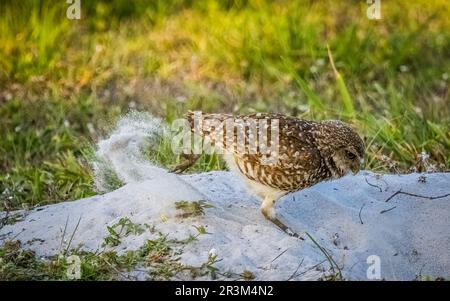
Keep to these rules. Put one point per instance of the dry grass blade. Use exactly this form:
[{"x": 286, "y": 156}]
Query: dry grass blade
[
  {"x": 334, "y": 266},
  {"x": 416, "y": 195}
]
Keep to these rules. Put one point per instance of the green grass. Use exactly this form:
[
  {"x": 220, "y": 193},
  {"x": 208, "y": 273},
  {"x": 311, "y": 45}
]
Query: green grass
[
  {"x": 189, "y": 209},
  {"x": 122, "y": 228},
  {"x": 64, "y": 82},
  {"x": 156, "y": 259}
]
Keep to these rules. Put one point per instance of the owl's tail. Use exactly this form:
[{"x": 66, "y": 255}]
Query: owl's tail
[{"x": 207, "y": 125}]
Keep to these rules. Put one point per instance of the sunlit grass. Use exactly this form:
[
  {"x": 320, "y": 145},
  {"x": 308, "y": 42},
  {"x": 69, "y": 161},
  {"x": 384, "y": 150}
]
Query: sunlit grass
[{"x": 62, "y": 82}]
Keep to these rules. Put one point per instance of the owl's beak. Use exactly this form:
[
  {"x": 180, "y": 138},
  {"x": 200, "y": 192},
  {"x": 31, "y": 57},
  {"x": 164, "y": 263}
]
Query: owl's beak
[
  {"x": 362, "y": 164},
  {"x": 356, "y": 168}
]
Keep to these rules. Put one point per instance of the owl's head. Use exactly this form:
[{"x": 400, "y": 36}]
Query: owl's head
[{"x": 341, "y": 147}]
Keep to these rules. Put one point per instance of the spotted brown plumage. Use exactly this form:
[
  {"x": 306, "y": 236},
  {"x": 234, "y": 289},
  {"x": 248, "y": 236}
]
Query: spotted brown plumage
[{"x": 307, "y": 152}]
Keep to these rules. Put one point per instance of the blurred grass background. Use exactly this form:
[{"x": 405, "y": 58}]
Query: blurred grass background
[{"x": 64, "y": 82}]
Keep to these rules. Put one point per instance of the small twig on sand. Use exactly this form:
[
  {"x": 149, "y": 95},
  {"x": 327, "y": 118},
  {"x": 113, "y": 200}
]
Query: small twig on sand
[
  {"x": 71, "y": 237},
  {"x": 279, "y": 255},
  {"x": 311, "y": 268},
  {"x": 4, "y": 220},
  {"x": 17, "y": 235},
  {"x": 296, "y": 270},
  {"x": 334, "y": 266},
  {"x": 387, "y": 210},
  {"x": 416, "y": 195},
  {"x": 373, "y": 185},
  {"x": 359, "y": 214},
  {"x": 63, "y": 235}
]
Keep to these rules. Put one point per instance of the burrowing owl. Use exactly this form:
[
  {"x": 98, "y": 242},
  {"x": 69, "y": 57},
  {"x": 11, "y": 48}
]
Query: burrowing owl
[{"x": 308, "y": 152}]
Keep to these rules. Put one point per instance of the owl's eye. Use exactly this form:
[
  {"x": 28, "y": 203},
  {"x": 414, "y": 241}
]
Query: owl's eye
[{"x": 350, "y": 155}]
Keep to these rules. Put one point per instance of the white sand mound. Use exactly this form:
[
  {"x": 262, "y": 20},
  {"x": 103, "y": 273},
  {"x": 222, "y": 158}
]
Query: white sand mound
[
  {"x": 411, "y": 239},
  {"x": 349, "y": 218}
]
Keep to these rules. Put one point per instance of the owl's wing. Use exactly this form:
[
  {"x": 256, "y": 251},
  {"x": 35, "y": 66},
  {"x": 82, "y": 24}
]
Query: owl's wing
[{"x": 296, "y": 152}]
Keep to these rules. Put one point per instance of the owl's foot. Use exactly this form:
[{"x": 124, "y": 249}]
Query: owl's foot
[
  {"x": 293, "y": 234},
  {"x": 269, "y": 213},
  {"x": 190, "y": 159},
  {"x": 286, "y": 229}
]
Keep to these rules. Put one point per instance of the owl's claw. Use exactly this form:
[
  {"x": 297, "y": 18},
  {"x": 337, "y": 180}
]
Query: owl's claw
[
  {"x": 293, "y": 234},
  {"x": 269, "y": 214}
]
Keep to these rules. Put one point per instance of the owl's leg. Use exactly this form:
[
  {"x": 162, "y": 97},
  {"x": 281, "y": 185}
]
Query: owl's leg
[
  {"x": 269, "y": 212},
  {"x": 189, "y": 160}
]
